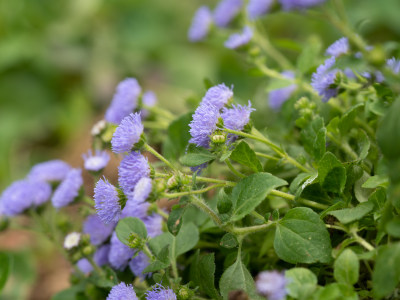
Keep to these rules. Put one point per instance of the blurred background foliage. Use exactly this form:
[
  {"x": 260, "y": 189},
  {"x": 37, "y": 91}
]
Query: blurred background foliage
[{"x": 61, "y": 60}]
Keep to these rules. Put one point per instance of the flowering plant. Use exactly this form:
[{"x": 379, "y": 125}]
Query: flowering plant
[{"x": 312, "y": 214}]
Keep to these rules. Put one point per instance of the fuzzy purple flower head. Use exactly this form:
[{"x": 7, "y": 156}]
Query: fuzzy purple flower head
[
  {"x": 324, "y": 78},
  {"x": 272, "y": 284},
  {"x": 203, "y": 124},
  {"x": 95, "y": 162},
  {"x": 299, "y": 4},
  {"x": 133, "y": 167},
  {"x": 238, "y": 40},
  {"x": 107, "y": 202},
  {"x": 201, "y": 24},
  {"x": 100, "y": 257},
  {"x": 119, "y": 254},
  {"x": 97, "y": 230},
  {"x": 84, "y": 265},
  {"x": 394, "y": 65},
  {"x": 127, "y": 133},
  {"x": 153, "y": 225},
  {"x": 53, "y": 170},
  {"x": 158, "y": 292},
  {"x": 341, "y": 46},
  {"x": 279, "y": 96},
  {"x": 68, "y": 189},
  {"x": 237, "y": 117},
  {"x": 257, "y": 8},
  {"x": 138, "y": 264},
  {"x": 142, "y": 190},
  {"x": 218, "y": 96},
  {"x": 226, "y": 11},
  {"x": 23, "y": 194},
  {"x": 135, "y": 209},
  {"x": 124, "y": 100},
  {"x": 122, "y": 291}
]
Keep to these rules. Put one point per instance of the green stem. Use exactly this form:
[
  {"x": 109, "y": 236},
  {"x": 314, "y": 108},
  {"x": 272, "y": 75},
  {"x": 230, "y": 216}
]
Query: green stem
[
  {"x": 148, "y": 253},
  {"x": 257, "y": 215},
  {"x": 267, "y": 156},
  {"x": 158, "y": 155},
  {"x": 204, "y": 207},
  {"x": 201, "y": 191},
  {"x": 162, "y": 213},
  {"x": 155, "y": 125},
  {"x": 252, "y": 229},
  {"x": 362, "y": 242},
  {"x": 160, "y": 111},
  {"x": 299, "y": 200},
  {"x": 233, "y": 170},
  {"x": 335, "y": 227},
  {"x": 173, "y": 258},
  {"x": 274, "y": 147}
]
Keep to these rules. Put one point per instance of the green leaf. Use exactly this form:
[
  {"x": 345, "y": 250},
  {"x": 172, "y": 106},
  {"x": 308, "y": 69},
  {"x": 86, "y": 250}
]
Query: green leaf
[
  {"x": 161, "y": 262},
  {"x": 5, "y": 268},
  {"x": 202, "y": 273},
  {"x": 251, "y": 191},
  {"x": 157, "y": 243},
  {"x": 178, "y": 137},
  {"x": 362, "y": 194},
  {"x": 174, "y": 222},
  {"x": 228, "y": 241},
  {"x": 393, "y": 227},
  {"x": 237, "y": 277},
  {"x": 130, "y": 225},
  {"x": 386, "y": 275},
  {"x": 331, "y": 173},
  {"x": 347, "y": 120},
  {"x": 349, "y": 215},
  {"x": 388, "y": 133},
  {"x": 244, "y": 155},
  {"x": 106, "y": 280},
  {"x": 347, "y": 267},
  {"x": 301, "y": 237},
  {"x": 363, "y": 144},
  {"x": 311, "y": 50},
  {"x": 301, "y": 283},
  {"x": 337, "y": 291},
  {"x": 187, "y": 238},
  {"x": 313, "y": 137},
  {"x": 375, "y": 181},
  {"x": 196, "y": 156}
]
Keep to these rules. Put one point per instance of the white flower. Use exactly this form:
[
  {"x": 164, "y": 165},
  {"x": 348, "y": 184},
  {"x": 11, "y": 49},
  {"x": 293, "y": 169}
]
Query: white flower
[
  {"x": 72, "y": 240},
  {"x": 98, "y": 127}
]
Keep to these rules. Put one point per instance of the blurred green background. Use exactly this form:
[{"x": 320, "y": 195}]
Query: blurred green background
[{"x": 61, "y": 60}]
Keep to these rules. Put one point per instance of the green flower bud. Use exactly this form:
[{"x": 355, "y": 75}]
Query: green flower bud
[
  {"x": 185, "y": 293},
  {"x": 88, "y": 250},
  {"x": 172, "y": 182},
  {"x": 135, "y": 241}
]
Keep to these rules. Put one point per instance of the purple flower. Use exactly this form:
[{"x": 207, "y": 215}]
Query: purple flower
[
  {"x": 142, "y": 189},
  {"x": 201, "y": 24},
  {"x": 349, "y": 73},
  {"x": 153, "y": 225},
  {"x": 237, "y": 40},
  {"x": 135, "y": 209},
  {"x": 377, "y": 76},
  {"x": 237, "y": 117},
  {"x": 394, "y": 65},
  {"x": 138, "y": 264},
  {"x": 149, "y": 98},
  {"x": 107, "y": 202},
  {"x": 341, "y": 46},
  {"x": 96, "y": 162},
  {"x": 257, "y": 8},
  {"x": 324, "y": 78},
  {"x": 132, "y": 168},
  {"x": 203, "y": 124},
  {"x": 127, "y": 133},
  {"x": 299, "y": 4},
  {"x": 279, "y": 96},
  {"x": 218, "y": 96},
  {"x": 124, "y": 100},
  {"x": 122, "y": 292},
  {"x": 226, "y": 11},
  {"x": 272, "y": 285},
  {"x": 53, "y": 170},
  {"x": 84, "y": 265},
  {"x": 100, "y": 257},
  {"x": 98, "y": 231},
  {"x": 119, "y": 254},
  {"x": 68, "y": 189},
  {"x": 23, "y": 194},
  {"x": 158, "y": 292}
]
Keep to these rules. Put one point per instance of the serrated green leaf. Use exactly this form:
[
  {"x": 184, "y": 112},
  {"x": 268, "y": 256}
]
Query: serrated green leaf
[
  {"x": 130, "y": 225},
  {"x": 347, "y": 120},
  {"x": 347, "y": 267},
  {"x": 196, "y": 156},
  {"x": 244, "y": 155},
  {"x": 251, "y": 191},
  {"x": 386, "y": 275},
  {"x": 348, "y": 215},
  {"x": 237, "y": 277},
  {"x": 388, "y": 133},
  {"x": 331, "y": 173},
  {"x": 301, "y": 283},
  {"x": 301, "y": 237}
]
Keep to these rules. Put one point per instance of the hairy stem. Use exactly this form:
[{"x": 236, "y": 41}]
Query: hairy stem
[{"x": 158, "y": 155}]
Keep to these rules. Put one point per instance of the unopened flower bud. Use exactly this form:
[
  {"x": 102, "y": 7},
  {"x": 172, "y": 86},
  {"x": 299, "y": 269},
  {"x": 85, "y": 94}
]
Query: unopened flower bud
[
  {"x": 172, "y": 182},
  {"x": 135, "y": 241},
  {"x": 88, "y": 250},
  {"x": 218, "y": 138},
  {"x": 184, "y": 293}
]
